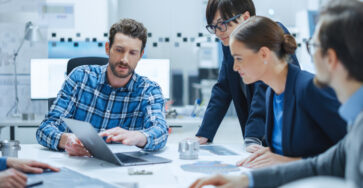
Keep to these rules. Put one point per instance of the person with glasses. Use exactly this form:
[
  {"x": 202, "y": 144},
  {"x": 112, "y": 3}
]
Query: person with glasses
[
  {"x": 223, "y": 16},
  {"x": 301, "y": 119},
  {"x": 311, "y": 47},
  {"x": 337, "y": 51}
]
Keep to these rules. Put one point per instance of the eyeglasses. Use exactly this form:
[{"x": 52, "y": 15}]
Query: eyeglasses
[
  {"x": 221, "y": 25},
  {"x": 311, "y": 47}
]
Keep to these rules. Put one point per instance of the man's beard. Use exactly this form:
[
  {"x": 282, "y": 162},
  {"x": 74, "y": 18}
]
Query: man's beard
[
  {"x": 119, "y": 75},
  {"x": 319, "y": 83}
]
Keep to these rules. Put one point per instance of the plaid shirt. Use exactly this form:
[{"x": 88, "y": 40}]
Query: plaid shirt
[{"x": 87, "y": 96}]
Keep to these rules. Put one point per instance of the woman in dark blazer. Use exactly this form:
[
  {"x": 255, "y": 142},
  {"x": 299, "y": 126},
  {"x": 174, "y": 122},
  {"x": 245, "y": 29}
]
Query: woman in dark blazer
[
  {"x": 223, "y": 16},
  {"x": 301, "y": 120}
]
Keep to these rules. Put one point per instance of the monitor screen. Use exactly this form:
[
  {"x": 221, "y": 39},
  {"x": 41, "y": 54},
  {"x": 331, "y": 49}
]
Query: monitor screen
[
  {"x": 157, "y": 70},
  {"x": 47, "y": 75}
]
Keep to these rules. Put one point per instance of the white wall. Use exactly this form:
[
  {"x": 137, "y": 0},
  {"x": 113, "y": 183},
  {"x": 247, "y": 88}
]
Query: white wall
[
  {"x": 284, "y": 10},
  {"x": 13, "y": 16},
  {"x": 90, "y": 19}
]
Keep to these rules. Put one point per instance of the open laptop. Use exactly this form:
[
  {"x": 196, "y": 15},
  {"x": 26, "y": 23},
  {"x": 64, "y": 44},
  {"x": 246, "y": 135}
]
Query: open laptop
[{"x": 98, "y": 148}]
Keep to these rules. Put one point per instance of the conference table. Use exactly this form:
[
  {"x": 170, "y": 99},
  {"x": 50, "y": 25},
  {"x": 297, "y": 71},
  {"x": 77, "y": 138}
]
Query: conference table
[
  {"x": 34, "y": 123},
  {"x": 156, "y": 176}
]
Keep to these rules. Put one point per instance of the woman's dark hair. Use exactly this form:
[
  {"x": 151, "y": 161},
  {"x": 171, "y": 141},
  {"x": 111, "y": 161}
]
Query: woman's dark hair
[
  {"x": 341, "y": 29},
  {"x": 130, "y": 28},
  {"x": 229, "y": 8},
  {"x": 259, "y": 31}
]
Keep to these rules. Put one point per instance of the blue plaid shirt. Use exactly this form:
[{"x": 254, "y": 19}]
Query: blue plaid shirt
[{"x": 87, "y": 96}]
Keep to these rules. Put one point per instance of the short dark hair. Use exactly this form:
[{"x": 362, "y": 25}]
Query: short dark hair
[
  {"x": 259, "y": 31},
  {"x": 229, "y": 8},
  {"x": 130, "y": 28},
  {"x": 342, "y": 30}
]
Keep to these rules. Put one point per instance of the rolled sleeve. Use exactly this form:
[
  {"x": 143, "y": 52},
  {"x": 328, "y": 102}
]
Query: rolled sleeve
[
  {"x": 49, "y": 136},
  {"x": 155, "y": 127},
  {"x": 52, "y": 127}
]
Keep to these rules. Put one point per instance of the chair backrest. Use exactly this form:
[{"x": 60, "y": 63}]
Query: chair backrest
[{"x": 79, "y": 61}]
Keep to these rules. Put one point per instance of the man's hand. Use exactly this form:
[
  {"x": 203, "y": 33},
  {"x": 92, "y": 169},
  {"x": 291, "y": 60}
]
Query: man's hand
[
  {"x": 73, "y": 145},
  {"x": 222, "y": 181},
  {"x": 131, "y": 138},
  {"x": 202, "y": 140},
  {"x": 263, "y": 158},
  {"x": 12, "y": 178},
  {"x": 29, "y": 166}
]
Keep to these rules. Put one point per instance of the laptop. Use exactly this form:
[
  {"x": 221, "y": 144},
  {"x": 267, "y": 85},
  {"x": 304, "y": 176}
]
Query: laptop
[{"x": 98, "y": 148}]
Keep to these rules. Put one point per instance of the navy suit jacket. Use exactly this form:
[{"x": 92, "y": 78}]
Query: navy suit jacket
[
  {"x": 250, "y": 110},
  {"x": 311, "y": 123}
]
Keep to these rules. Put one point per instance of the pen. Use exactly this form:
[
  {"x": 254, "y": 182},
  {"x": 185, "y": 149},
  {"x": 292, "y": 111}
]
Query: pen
[{"x": 35, "y": 183}]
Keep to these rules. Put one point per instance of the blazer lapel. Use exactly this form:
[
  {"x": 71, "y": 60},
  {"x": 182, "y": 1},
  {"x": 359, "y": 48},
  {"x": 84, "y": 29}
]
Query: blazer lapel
[
  {"x": 289, "y": 109},
  {"x": 269, "y": 116}
]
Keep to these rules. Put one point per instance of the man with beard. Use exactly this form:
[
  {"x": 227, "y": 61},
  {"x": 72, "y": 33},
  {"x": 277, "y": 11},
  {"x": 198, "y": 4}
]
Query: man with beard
[{"x": 121, "y": 105}]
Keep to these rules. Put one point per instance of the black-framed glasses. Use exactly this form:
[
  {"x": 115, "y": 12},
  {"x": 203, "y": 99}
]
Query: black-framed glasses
[
  {"x": 221, "y": 25},
  {"x": 311, "y": 47}
]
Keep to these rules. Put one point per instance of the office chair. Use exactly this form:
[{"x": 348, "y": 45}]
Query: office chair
[{"x": 79, "y": 61}]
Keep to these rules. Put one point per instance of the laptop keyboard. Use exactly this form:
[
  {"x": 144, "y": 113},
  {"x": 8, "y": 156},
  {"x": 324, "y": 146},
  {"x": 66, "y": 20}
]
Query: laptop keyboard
[{"x": 128, "y": 159}]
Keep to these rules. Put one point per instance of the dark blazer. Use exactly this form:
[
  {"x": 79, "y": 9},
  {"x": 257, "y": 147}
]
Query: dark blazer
[
  {"x": 311, "y": 123},
  {"x": 250, "y": 109},
  {"x": 343, "y": 160}
]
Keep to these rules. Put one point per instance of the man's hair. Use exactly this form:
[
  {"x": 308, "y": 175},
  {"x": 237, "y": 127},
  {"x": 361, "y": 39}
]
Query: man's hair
[
  {"x": 229, "y": 8},
  {"x": 130, "y": 28},
  {"x": 342, "y": 30}
]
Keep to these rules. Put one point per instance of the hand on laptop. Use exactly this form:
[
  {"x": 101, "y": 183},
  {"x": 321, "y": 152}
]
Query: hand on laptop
[
  {"x": 73, "y": 145},
  {"x": 132, "y": 138}
]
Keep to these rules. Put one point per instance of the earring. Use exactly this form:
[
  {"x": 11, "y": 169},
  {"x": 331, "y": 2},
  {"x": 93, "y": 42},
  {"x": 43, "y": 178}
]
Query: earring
[{"x": 265, "y": 62}]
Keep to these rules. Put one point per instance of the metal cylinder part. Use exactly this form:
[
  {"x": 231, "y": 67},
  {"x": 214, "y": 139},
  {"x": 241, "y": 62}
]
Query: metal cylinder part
[
  {"x": 188, "y": 149},
  {"x": 9, "y": 148}
]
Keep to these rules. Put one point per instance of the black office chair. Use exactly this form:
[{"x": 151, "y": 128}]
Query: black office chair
[{"x": 79, "y": 61}]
